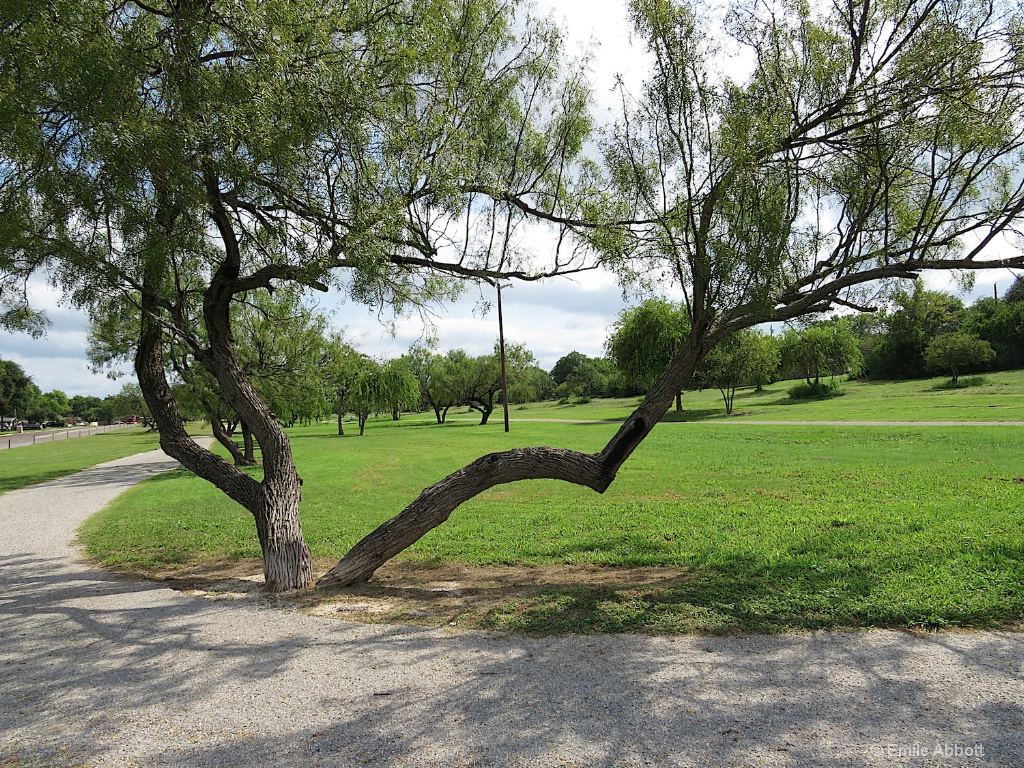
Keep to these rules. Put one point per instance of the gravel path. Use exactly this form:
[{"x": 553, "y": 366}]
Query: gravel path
[{"x": 98, "y": 670}]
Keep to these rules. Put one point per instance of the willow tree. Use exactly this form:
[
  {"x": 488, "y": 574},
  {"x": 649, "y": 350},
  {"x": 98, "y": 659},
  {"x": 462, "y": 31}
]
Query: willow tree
[
  {"x": 182, "y": 154},
  {"x": 868, "y": 142}
]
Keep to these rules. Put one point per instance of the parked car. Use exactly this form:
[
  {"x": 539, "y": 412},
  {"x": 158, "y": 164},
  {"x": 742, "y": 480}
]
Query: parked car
[
  {"x": 33, "y": 425},
  {"x": 55, "y": 424}
]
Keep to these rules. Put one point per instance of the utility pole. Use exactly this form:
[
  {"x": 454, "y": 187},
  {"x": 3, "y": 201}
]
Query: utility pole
[{"x": 501, "y": 351}]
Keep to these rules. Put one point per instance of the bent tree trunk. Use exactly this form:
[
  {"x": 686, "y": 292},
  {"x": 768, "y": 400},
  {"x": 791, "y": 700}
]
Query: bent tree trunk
[{"x": 593, "y": 470}]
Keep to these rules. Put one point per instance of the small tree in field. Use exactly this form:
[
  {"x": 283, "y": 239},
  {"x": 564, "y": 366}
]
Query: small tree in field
[
  {"x": 953, "y": 352},
  {"x": 744, "y": 358},
  {"x": 381, "y": 388},
  {"x": 824, "y": 349},
  {"x": 644, "y": 339}
]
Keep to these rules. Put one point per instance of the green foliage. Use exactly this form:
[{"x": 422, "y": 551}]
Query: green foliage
[
  {"x": 748, "y": 357},
  {"x": 383, "y": 387},
  {"x": 644, "y": 340},
  {"x": 18, "y": 394},
  {"x": 1000, "y": 322},
  {"x": 954, "y": 352},
  {"x": 816, "y": 390},
  {"x": 821, "y": 349},
  {"x": 919, "y": 316}
]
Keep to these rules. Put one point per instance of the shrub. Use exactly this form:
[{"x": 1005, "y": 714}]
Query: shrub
[{"x": 818, "y": 390}]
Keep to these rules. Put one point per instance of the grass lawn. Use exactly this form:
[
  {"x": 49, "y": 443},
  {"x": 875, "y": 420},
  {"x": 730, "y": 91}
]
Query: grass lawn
[
  {"x": 710, "y": 527},
  {"x": 1000, "y": 397},
  {"x": 31, "y": 464}
]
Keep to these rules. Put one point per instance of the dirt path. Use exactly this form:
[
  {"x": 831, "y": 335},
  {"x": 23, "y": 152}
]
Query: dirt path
[{"x": 98, "y": 670}]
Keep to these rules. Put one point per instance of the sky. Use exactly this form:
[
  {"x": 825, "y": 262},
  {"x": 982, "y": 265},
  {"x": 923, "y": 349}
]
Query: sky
[{"x": 551, "y": 318}]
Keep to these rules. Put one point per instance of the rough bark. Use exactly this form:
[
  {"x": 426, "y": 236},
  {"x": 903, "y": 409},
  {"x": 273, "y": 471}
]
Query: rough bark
[{"x": 435, "y": 504}]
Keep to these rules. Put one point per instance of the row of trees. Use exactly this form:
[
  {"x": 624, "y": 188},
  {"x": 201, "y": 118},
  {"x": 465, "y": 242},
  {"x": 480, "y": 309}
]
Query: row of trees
[
  {"x": 189, "y": 156},
  {"x": 924, "y": 332},
  {"x": 20, "y": 397},
  {"x": 643, "y": 341}
]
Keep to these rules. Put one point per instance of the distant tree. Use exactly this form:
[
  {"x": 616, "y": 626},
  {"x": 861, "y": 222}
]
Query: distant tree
[
  {"x": 531, "y": 385},
  {"x": 742, "y": 359},
  {"x": 955, "y": 352},
  {"x": 282, "y": 344},
  {"x": 920, "y": 315},
  {"x": 129, "y": 401},
  {"x": 341, "y": 367},
  {"x": 765, "y": 357},
  {"x": 1015, "y": 293},
  {"x": 86, "y": 407},
  {"x": 379, "y": 386},
  {"x": 588, "y": 379},
  {"x": 643, "y": 340},
  {"x": 567, "y": 365},
  {"x": 823, "y": 349},
  {"x": 50, "y": 406},
  {"x": 432, "y": 372},
  {"x": 1000, "y": 322},
  {"x": 18, "y": 394}
]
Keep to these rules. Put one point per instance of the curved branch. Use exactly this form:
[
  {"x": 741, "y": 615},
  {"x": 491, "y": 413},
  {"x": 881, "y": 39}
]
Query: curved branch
[{"x": 435, "y": 504}]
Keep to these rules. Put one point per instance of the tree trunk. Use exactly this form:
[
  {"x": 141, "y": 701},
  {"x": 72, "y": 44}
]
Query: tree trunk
[
  {"x": 250, "y": 453},
  {"x": 341, "y": 426},
  {"x": 396, "y": 414},
  {"x": 224, "y": 439},
  {"x": 597, "y": 471},
  {"x": 679, "y": 402}
]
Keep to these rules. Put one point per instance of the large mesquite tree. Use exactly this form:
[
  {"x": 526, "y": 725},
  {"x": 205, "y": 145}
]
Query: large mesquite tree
[
  {"x": 183, "y": 154},
  {"x": 871, "y": 142}
]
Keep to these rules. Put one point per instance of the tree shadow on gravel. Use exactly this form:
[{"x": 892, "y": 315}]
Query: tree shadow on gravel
[{"x": 102, "y": 669}]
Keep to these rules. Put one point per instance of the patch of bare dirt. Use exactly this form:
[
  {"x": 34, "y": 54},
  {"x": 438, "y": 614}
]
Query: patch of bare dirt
[{"x": 417, "y": 592}]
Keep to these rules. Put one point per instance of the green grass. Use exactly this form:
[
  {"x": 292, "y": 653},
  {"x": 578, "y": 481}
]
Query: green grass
[
  {"x": 999, "y": 398},
  {"x": 31, "y": 464},
  {"x": 775, "y": 527}
]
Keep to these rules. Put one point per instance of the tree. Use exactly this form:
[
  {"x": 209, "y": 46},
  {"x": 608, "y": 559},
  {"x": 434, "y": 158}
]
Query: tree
[
  {"x": 728, "y": 366},
  {"x": 50, "y": 406},
  {"x": 85, "y": 407},
  {"x": 282, "y": 345},
  {"x": 870, "y": 143},
  {"x": 566, "y": 365},
  {"x": 18, "y": 394},
  {"x": 764, "y": 357},
  {"x": 382, "y": 388},
  {"x": 822, "y": 349},
  {"x": 644, "y": 339},
  {"x": 184, "y": 154},
  {"x": 1015, "y": 293},
  {"x": 1000, "y": 322},
  {"x": 131, "y": 401},
  {"x": 341, "y": 368},
  {"x": 531, "y": 384},
  {"x": 954, "y": 352},
  {"x": 434, "y": 374},
  {"x": 920, "y": 315}
]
